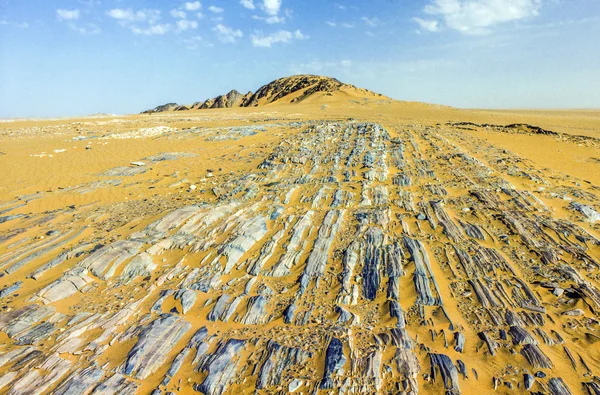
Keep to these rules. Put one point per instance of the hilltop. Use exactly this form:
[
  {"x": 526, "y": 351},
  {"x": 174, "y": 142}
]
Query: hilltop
[{"x": 293, "y": 89}]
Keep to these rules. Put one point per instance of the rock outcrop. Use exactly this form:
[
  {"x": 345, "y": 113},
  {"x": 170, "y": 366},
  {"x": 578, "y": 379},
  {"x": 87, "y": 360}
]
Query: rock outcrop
[
  {"x": 325, "y": 257},
  {"x": 162, "y": 108},
  {"x": 292, "y": 89}
]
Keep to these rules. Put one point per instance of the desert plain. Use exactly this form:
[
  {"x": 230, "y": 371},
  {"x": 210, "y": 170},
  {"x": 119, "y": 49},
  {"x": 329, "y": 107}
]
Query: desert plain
[{"x": 344, "y": 243}]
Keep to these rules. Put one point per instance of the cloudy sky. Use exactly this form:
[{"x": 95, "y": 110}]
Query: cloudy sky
[{"x": 75, "y": 57}]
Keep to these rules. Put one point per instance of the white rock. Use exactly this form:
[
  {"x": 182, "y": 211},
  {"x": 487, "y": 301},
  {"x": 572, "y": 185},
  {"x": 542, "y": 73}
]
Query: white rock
[
  {"x": 574, "y": 313},
  {"x": 294, "y": 385}
]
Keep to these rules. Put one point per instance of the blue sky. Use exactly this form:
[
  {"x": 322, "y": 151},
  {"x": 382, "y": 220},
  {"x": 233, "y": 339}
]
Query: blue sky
[{"x": 77, "y": 57}]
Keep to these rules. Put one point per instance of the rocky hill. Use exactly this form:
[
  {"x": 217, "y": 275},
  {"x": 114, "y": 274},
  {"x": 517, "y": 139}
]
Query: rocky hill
[
  {"x": 163, "y": 108},
  {"x": 292, "y": 89}
]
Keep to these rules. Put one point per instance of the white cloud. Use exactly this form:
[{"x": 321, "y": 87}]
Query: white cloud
[
  {"x": 85, "y": 30},
  {"x": 70, "y": 17},
  {"x": 478, "y": 16},
  {"x": 119, "y": 13},
  {"x": 274, "y": 19},
  {"x": 184, "y": 24},
  {"x": 272, "y": 6},
  {"x": 226, "y": 34},
  {"x": 142, "y": 22},
  {"x": 153, "y": 30},
  {"x": 216, "y": 10},
  {"x": 128, "y": 15},
  {"x": 373, "y": 22},
  {"x": 429, "y": 25},
  {"x": 271, "y": 20},
  {"x": 249, "y": 4},
  {"x": 22, "y": 25},
  {"x": 192, "y": 6},
  {"x": 193, "y": 43},
  {"x": 178, "y": 14},
  {"x": 282, "y": 36},
  {"x": 67, "y": 15},
  {"x": 334, "y": 24},
  {"x": 299, "y": 36},
  {"x": 260, "y": 40}
]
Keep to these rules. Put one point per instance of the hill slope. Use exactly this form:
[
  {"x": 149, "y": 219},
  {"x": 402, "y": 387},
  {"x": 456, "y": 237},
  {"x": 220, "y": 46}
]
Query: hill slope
[{"x": 292, "y": 89}]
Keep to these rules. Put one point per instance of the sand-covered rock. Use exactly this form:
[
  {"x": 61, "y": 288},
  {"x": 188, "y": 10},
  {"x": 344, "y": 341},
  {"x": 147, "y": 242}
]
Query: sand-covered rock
[{"x": 365, "y": 248}]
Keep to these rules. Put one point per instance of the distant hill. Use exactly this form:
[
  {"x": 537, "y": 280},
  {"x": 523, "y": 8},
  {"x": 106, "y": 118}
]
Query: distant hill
[{"x": 292, "y": 89}]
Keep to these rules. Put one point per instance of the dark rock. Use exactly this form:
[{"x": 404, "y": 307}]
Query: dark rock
[
  {"x": 528, "y": 381},
  {"x": 334, "y": 361}
]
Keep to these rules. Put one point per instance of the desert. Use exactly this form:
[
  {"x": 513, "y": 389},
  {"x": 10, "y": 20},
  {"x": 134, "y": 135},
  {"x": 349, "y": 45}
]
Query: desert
[
  {"x": 252, "y": 197},
  {"x": 325, "y": 239}
]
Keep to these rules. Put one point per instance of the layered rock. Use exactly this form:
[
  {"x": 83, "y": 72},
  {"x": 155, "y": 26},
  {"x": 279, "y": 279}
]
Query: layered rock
[{"x": 284, "y": 90}]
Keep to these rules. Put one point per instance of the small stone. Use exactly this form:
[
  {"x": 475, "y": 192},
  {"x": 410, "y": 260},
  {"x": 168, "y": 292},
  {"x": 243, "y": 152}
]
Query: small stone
[
  {"x": 192, "y": 187},
  {"x": 294, "y": 385},
  {"x": 529, "y": 380},
  {"x": 209, "y": 175},
  {"x": 504, "y": 238},
  {"x": 558, "y": 292},
  {"x": 540, "y": 374},
  {"x": 574, "y": 313},
  {"x": 421, "y": 217},
  {"x": 137, "y": 163},
  {"x": 466, "y": 209}
]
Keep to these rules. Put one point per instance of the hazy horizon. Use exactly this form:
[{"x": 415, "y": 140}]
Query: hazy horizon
[{"x": 82, "y": 57}]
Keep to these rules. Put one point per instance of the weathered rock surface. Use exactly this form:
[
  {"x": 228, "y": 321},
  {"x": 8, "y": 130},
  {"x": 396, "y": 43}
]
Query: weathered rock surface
[
  {"x": 155, "y": 342},
  {"x": 221, "y": 367},
  {"x": 309, "y": 257}
]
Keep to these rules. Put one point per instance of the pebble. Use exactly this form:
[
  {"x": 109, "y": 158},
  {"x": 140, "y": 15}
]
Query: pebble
[
  {"x": 574, "y": 313},
  {"x": 294, "y": 385}
]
